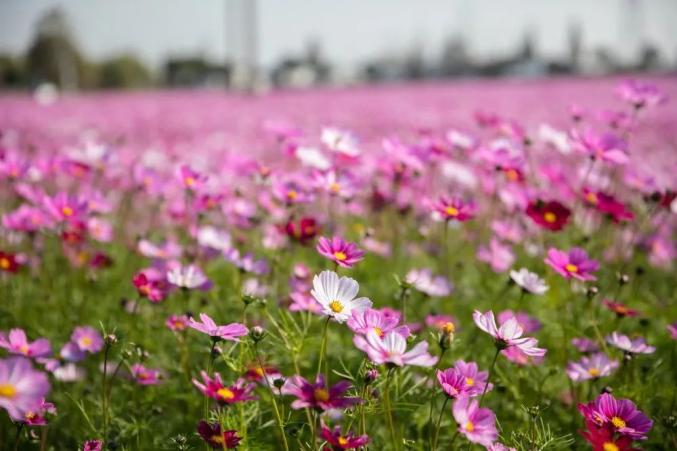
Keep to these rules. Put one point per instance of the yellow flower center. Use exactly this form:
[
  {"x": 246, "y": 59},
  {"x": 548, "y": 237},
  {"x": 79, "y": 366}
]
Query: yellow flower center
[
  {"x": 4, "y": 263},
  {"x": 67, "y": 211},
  {"x": 550, "y": 217},
  {"x": 379, "y": 331},
  {"x": 451, "y": 211},
  {"x": 321, "y": 395},
  {"x": 85, "y": 341},
  {"x": 189, "y": 181},
  {"x": 469, "y": 381},
  {"x": 334, "y": 187},
  {"x": 24, "y": 349},
  {"x": 618, "y": 422},
  {"x": 260, "y": 372},
  {"x": 610, "y": 446},
  {"x": 594, "y": 372},
  {"x": 571, "y": 268},
  {"x": 292, "y": 195},
  {"x": 7, "y": 391},
  {"x": 336, "y": 306},
  {"x": 469, "y": 426},
  {"x": 217, "y": 439},
  {"x": 225, "y": 393},
  {"x": 342, "y": 441},
  {"x": 340, "y": 256},
  {"x": 512, "y": 175},
  {"x": 448, "y": 327},
  {"x": 591, "y": 197}
]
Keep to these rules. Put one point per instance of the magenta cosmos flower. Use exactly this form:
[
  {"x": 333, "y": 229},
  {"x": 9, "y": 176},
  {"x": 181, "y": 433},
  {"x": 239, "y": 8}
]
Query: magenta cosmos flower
[
  {"x": 508, "y": 335},
  {"x": 145, "y": 376},
  {"x": 92, "y": 445},
  {"x": 206, "y": 325},
  {"x": 476, "y": 424},
  {"x": 454, "y": 209},
  {"x": 87, "y": 339},
  {"x": 573, "y": 264},
  {"x": 341, "y": 252},
  {"x": 217, "y": 439},
  {"x": 214, "y": 388},
  {"x": 318, "y": 395},
  {"x": 16, "y": 342},
  {"x": 624, "y": 343},
  {"x": 593, "y": 367},
  {"x": 22, "y": 389},
  {"x": 621, "y": 414},
  {"x": 337, "y": 440},
  {"x": 392, "y": 349},
  {"x": 463, "y": 379}
]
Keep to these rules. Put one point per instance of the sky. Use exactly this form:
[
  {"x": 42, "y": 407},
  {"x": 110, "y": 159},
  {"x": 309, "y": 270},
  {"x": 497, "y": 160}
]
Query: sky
[{"x": 349, "y": 31}]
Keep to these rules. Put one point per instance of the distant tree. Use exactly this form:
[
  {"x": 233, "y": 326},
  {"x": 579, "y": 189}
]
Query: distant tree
[
  {"x": 53, "y": 57},
  {"x": 12, "y": 73},
  {"x": 124, "y": 71}
]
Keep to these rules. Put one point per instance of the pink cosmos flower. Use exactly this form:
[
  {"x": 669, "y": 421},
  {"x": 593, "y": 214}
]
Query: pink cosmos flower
[
  {"x": 528, "y": 323},
  {"x": 190, "y": 179},
  {"x": 230, "y": 332},
  {"x": 71, "y": 352},
  {"x": 672, "y": 329},
  {"x": 463, "y": 379},
  {"x": 425, "y": 282},
  {"x": 454, "y": 208},
  {"x": 624, "y": 343},
  {"x": 16, "y": 343},
  {"x": 593, "y": 367},
  {"x": 65, "y": 207},
  {"x": 38, "y": 416},
  {"x": 640, "y": 94},
  {"x": 392, "y": 349},
  {"x": 476, "y": 424},
  {"x": 361, "y": 322},
  {"x": 606, "y": 147},
  {"x": 302, "y": 302},
  {"x": 573, "y": 264},
  {"x": 177, "y": 323},
  {"x": 497, "y": 255},
  {"x": 87, "y": 339},
  {"x": 508, "y": 335},
  {"x": 318, "y": 395},
  {"x": 22, "y": 389},
  {"x": 341, "y": 252},
  {"x": 584, "y": 344},
  {"x": 153, "y": 289},
  {"x": 92, "y": 445},
  {"x": 217, "y": 438},
  {"x": 337, "y": 440},
  {"x": 214, "y": 388},
  {"x": 621, "y": 414},
  {"x": 145, "y": 376},
  {"x": 291, "y": 192}
]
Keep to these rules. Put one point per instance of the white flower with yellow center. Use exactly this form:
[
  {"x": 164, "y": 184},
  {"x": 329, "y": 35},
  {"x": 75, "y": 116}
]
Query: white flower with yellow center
[{"x": 337, "y": 295}]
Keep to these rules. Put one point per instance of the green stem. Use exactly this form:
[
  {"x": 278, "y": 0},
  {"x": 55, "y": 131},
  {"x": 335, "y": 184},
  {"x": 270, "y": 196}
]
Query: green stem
[
  {"x": 388, "y": 409},
  {"x": 439, "y": 421},
  {"x": 491, "y": 372},
  {"x": 104, "y": 397},
  {"x": 323, "y": 351},
  {"x": 278, "y": 418}
]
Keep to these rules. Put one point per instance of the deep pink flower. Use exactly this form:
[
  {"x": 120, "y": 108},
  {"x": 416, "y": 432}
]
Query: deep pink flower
[
  {"x": 190, "y": 179},
  {"x": 573, "y": 264},
  {"x": 214, "y": 388},
  {"x": 454, "y": 208},
  {"x": 337, "y": 440},
  {"x": 177, "y": 323},
  {"x": 146, "y": 376},
  {"x": 65, "y": 207},
  {"x": 22, "y": 389},
  {"x": 92, "y": 445},
  {"x": 206, "y": 325},
  {"x": 621, "y": 414},
  {"x": 476, "y": 424},
  {"x": 212, "y": 434},
  {"x": 392, "y": 349},
  {"x": 607, "y": 205},
  {"x": 38, "y": 416},
  {"x": 16, "y": 343},
  {"x": 672, "y": 328},
  {"x": 317, "y": 395},
  {"x": 153, "y": 289},
  {"x": 463, "y": 379},
  {"x": 619, "y": 309},
  {"x": 341, "y": 252},
  {"x": 551, "y": 215},
  {"x": 508, "y": 335}
]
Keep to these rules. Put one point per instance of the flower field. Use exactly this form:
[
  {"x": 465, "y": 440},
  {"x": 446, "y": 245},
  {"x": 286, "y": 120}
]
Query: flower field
[{"x": 426, "y": 267}]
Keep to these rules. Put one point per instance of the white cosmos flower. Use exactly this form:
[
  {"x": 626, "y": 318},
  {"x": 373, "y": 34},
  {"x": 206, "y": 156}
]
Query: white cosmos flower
[
  {"x": 529, "y": 281},
  {"x": 186, "y": 276},
  {"x": 337, "y": 296}
]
